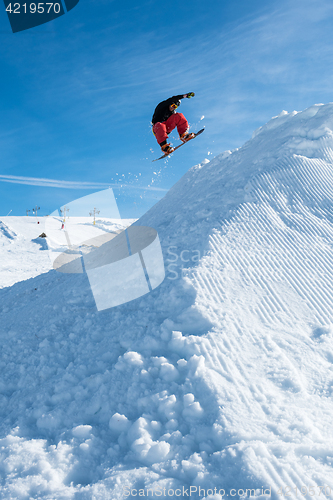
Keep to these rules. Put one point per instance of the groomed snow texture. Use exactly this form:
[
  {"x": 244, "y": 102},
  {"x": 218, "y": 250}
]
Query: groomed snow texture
[{"x": 220, "y": 378}]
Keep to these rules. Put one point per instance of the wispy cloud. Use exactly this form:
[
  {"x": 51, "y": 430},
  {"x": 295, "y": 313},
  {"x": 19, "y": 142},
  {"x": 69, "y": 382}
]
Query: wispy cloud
[
  {"x": 247, "y": 70},
  {"x": 55, "y": 183},
  {"x": 90, "y": 105}
]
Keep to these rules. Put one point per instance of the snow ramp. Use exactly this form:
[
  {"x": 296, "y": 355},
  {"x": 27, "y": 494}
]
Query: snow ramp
[{"x": 217, "y": 384}]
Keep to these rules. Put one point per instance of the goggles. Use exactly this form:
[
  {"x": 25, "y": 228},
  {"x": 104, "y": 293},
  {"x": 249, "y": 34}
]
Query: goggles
[{"x": 173, "y": 106}]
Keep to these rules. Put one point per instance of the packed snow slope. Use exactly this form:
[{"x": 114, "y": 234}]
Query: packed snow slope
[{"x": 220, "y": 379}]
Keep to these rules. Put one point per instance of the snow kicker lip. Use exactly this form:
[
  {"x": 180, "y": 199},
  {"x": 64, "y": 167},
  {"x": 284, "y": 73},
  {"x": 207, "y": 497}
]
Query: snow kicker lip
[
  {"x": 28, "y": 14},
  {"x": 121, "y": 265}
]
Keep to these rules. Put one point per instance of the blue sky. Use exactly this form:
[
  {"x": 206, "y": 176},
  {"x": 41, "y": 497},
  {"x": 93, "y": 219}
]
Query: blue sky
[{"x": 78, "y": 93}]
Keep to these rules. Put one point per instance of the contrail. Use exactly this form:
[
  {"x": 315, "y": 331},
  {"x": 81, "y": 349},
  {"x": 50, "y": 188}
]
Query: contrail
[{"x": 55, "y": 183}]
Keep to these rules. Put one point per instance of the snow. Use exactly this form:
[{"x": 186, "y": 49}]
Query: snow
[
  {"x": 16, "y": 234},
  {"x": 216, "y": 384}
]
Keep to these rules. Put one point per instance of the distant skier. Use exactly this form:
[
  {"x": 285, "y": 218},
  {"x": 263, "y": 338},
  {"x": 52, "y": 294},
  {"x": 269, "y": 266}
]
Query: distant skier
[{"x": 165, "y": 119}]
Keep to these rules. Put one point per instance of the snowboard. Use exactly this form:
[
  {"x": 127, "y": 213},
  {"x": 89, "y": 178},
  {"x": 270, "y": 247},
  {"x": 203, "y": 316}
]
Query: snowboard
[{"x": 180, "y": 145}]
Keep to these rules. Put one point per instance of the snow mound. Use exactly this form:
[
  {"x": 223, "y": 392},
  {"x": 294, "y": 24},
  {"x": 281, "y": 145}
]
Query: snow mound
[
  {"x": 20, "y": 236},
  {"x": 6, "y": 232},
  {"x": 218, "y": 383}
]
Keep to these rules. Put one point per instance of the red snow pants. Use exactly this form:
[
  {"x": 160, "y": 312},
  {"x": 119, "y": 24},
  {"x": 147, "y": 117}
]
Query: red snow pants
[{"x": 162, "y": 129}]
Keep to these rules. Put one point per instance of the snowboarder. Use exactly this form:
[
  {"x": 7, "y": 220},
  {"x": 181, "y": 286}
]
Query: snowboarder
[{"x": 165, "y": 119}]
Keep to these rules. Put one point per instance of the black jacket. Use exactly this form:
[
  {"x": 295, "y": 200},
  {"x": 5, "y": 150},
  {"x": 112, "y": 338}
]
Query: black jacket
[{"x": 162, "y": 111}]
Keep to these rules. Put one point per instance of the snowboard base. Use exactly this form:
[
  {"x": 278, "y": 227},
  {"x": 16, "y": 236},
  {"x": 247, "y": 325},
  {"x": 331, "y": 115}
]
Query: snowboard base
[{"x": 179, "y": 146}]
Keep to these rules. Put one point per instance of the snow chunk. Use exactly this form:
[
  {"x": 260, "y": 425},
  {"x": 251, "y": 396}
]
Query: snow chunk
[
  {"x": 188, "y": 399},
  {"x": 130, "y": 358},
  {"x": 145, "y": 448},
  {"x": 167, "y": 406},
  {"x": 168, "y": 372},
  {"x": 84, "y": 447},
  {"x": 133, "y": 358},
  {"x": 82, "y": 431},
  {"x": 119, "y": 423},
  {"x": 182, "y": 363},
  {"x": 192, "y": 408},
  {"x": 177, "y": 341},
  {"x": 193, "y": 464},
  {"x": 157, "y": 452}
]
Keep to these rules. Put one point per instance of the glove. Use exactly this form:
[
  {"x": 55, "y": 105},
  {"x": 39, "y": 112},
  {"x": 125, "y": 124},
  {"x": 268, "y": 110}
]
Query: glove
[{"x": 190, "y": 94}]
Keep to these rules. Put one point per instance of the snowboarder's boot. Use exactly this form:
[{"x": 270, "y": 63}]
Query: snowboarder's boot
[
  {"x": 166, "y": 148},
  {"x": 179, "y": 145},
  {"x": 187, "y": 136}
]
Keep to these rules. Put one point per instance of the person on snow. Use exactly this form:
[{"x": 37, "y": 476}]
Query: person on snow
[{"x": 165, "y": 119}]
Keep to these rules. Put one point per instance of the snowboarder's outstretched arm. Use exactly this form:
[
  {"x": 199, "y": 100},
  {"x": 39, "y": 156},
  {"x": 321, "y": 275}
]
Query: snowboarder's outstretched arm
[
  {"x": 162, "y": 111},
  {"x": 176, "y": 98}
]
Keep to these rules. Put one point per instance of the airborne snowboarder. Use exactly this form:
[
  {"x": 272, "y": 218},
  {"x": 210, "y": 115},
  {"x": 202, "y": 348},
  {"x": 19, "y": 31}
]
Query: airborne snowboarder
[{"x": 165, "y": 119}]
